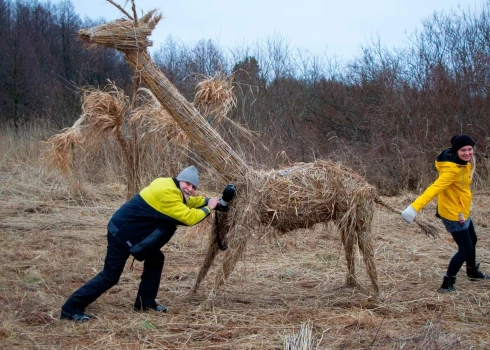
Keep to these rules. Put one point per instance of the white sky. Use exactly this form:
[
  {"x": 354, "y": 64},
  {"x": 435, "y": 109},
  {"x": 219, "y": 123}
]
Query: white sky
[{"x": 337, "y": 28}]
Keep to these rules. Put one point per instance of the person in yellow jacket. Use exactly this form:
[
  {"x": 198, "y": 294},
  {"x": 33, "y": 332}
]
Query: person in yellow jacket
[
  {"x": 141, "y": 227},
  {"x": 456, "y": 166}
]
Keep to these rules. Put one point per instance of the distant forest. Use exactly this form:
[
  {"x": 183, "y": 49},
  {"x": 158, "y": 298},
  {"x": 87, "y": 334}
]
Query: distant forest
[{"x": 386, "y": 113}]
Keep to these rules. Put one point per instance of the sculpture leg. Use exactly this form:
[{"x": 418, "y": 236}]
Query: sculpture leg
[
  {"x": 221, "y": 226},
  {"x": 365, "y": 243},
  {"x": 218, "y": 226},
  {"x": 348, "y": 239},
  {"x": 236, "y": 245},
  {"x": 208, "y": 262}
]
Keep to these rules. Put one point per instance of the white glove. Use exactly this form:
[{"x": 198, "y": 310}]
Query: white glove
[{"x": 409, "y": 214}]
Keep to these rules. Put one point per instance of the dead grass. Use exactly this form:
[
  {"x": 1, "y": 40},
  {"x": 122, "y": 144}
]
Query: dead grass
[{"x": 52, "y": 240}]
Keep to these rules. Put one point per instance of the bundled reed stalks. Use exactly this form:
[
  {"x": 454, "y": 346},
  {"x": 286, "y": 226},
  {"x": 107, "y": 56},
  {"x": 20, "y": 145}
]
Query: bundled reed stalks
[
  {"x": 151, "y": 118},
  {"x": 129, "y": 36},
  {"x": 427, "y": 228},
  {"x": 215, "y": 97},
  {"x": 60, "y": 151},
  {"x": 103, "y": 111}
]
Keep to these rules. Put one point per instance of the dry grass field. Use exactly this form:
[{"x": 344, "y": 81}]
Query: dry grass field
[{"x": 52, "y": 239}]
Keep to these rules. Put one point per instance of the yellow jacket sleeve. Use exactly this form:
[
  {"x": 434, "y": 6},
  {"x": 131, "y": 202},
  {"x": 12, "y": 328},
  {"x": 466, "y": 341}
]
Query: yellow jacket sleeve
[
  {"x": 196, "y": 201},
  {"x": 445, "y": 179},
  {"x": 164, "y": 196}
]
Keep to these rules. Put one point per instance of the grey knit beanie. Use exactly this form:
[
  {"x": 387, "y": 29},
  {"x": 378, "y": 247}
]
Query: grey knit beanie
[{"x": 190, "y": 175}]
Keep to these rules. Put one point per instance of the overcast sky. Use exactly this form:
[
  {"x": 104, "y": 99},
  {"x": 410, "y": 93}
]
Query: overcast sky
[{"x": 334, "y": 27}]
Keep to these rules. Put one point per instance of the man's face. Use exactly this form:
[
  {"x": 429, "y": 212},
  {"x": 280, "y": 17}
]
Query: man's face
[{"x": 187, "y": 188}]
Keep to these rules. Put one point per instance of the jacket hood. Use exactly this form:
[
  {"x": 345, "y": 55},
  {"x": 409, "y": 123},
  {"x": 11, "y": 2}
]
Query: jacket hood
[{"x": 448, "y": 156}]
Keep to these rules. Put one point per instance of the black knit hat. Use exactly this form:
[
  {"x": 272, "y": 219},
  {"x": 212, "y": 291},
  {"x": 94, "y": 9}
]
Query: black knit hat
[{"x": 458, "y": 141}]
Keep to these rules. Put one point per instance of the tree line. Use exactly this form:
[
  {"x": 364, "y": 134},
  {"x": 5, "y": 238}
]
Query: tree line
[
  {"x": 387, "y": 113},
  {"x": 43, "y": 64}
]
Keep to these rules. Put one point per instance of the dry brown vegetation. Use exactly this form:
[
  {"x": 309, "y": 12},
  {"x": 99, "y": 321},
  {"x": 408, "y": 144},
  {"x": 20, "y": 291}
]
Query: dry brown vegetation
[
  {"x": 288, "y": 291},
  {"x": 52, "y": 233}
]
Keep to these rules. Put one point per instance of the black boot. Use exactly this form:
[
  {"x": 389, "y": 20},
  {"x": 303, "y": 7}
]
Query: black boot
[
  {"x": 77, "y": 317},
  {"x": 447, "y": 285},
  {"x": 474, "y": 274},
  {"x": 158, "y": 308}
]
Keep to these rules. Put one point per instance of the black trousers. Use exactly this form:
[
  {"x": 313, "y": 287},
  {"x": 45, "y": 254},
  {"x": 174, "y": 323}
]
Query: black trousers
[
  {"x": 466, "y": 241},
  {"x": 114, "y": 263}
]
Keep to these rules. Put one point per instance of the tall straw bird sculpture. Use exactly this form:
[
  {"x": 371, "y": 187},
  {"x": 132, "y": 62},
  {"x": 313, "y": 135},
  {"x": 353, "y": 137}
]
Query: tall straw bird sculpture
[{"x": 295, "y": 197}]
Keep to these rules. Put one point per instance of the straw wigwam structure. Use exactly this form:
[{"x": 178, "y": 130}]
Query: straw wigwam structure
[
  {"x": 286, "y": 199},
  {"x": 105, "y": 113}
]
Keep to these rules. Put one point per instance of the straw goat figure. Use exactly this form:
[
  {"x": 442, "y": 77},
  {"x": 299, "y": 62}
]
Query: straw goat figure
[{"x": 299, "y": 197}]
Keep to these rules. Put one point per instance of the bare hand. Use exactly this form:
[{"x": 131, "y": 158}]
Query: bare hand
[{"x": 213, "y": 202}]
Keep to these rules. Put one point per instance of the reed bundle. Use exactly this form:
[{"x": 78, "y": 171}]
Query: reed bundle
[
  {"x": 103, "y": 110},
  {"x": 215, "y": 97},
  {"x": 150, "y": 117},
  {"x": 122, "y": 34},
  {"x": 61, "y": 147}
]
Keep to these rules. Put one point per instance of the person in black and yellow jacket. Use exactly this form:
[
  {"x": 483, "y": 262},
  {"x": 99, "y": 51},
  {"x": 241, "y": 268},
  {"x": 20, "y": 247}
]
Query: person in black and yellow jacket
[
  {"x": 456, "y": 166},
  {"x": 141, "y": 227}
]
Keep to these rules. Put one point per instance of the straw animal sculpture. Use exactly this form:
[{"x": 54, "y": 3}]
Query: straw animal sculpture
[
  {"x": 299, "y": 197},
  {"x": 295, "y": 197}
]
